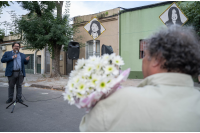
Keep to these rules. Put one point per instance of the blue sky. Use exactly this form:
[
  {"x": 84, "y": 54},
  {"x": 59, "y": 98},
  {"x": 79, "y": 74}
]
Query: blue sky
[
  {"x": 80, "y": 7},
  {"x": 91, "y": 7}
]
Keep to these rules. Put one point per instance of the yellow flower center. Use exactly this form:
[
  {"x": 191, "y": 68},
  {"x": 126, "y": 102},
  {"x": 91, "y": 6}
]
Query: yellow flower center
[
  {"x": 72, "y": 85},
  {"x": 81, "y": 87},
  {"x": 79, "y": 94},
  {"x": 103, "y": 85},
  {"x": 69, "y": 97},
  {"x": 93, "y": 81},
  {"x": 77, "y": 80}
]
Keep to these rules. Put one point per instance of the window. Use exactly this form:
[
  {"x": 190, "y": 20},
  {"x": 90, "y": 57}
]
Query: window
[
  {"x": 142, "y": 47},
  {"x": 89, "y": 48}
]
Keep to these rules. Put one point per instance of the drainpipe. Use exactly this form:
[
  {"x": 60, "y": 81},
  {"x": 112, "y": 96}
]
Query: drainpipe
[
  {"x": 35, "y": 63},
  {"x": 43, "y": 61}
]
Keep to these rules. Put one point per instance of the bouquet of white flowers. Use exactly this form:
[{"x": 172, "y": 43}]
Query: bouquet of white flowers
[{"x": 94, "y": 79}]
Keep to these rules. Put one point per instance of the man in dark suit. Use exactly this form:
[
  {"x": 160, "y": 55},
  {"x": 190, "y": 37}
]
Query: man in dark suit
[{"x": 15, "y": 70}]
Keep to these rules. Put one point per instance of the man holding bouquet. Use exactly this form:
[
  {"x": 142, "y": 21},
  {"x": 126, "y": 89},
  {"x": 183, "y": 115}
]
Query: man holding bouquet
[{"x": 166, "y": 100}]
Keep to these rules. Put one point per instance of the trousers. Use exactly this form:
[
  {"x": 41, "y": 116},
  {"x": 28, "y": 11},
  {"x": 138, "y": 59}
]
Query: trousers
[{"x": 17, "y": 79}]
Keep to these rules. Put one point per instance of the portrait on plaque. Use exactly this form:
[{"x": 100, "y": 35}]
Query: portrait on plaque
[
  {"x": 94, "y": 28},
  {"x": 173, "y": 16}
]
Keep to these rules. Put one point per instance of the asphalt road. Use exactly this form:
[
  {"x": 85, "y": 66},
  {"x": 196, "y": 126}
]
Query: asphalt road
[{"x": 42, "y": 116}]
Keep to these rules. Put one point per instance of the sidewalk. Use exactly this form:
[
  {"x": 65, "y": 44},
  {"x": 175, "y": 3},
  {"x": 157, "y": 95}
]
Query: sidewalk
[{"x": 43, "y": 81}]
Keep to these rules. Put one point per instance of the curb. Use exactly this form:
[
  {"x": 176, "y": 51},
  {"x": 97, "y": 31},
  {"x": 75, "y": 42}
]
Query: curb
[{"x": 47, "y": 87}]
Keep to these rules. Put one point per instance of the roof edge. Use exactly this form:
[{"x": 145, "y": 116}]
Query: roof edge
[{"x": 145, "y": 7}]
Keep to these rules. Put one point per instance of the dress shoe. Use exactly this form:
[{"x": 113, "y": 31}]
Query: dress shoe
[
  {"x": 20, "y": 100},
  {"x": 9, "y": 100}
]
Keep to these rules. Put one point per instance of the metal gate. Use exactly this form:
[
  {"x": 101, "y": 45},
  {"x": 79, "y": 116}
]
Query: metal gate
[
  {"x": 69, "y": 64},
  {"x": 29, "y": 68}
]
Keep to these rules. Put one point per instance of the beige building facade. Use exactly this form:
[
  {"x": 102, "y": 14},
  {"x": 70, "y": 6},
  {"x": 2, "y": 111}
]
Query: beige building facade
[
  {"x": 110, "y": 37},
  {"x": 40, "y": 61}
]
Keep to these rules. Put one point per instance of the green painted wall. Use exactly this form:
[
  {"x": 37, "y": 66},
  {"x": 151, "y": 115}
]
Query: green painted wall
[{"x": 136, "y": 25}]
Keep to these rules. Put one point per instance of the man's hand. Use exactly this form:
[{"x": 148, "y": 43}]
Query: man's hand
[
  {"x": 14, "y": 56},
  {"x": 27, "y": 58}
]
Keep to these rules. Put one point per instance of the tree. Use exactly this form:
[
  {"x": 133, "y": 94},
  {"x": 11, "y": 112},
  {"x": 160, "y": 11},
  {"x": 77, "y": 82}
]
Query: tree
[
  {"x": 192, "y": 11},
  {"x": 8, "y": 25},
  {"x": 1, "y": 11},
  {"x": 2, "y": 34},
  {"x": 4, "y": 3},
  {"x": 41, "y": 28}
]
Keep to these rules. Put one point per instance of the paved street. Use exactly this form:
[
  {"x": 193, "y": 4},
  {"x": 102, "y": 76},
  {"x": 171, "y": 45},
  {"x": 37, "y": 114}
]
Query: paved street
[
  {"x": 43, "y": 116},
  {"x": 54, "y": 115}
]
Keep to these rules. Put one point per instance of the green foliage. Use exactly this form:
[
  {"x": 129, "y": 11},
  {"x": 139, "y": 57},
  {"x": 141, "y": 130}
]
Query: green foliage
[
  {"x": 44, "y": 76},
  {"x": 1, "y": 11},
  {"x": 106, "y": 13},
  {"x": 11, "y": 33},
  {"x": 102, "y": 15},
  {"x": 4, "y": 3},
  {"x": 2, "y": 34},
  {"x": 192, "y": 11},
  {"x": 10, "y": 25},
  {"x": 41, "y": 27}
]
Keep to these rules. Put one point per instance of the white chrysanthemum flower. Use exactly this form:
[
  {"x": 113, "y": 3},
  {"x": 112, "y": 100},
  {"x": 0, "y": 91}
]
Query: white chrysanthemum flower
[
  {"x": 76, "y": 79},
  {"x": 101, "y": 73},
  {"x": 112, "y": 56},
  {"x": 91, "y": 75},
  {"x": 98, "y": 66},
  {"x": 93, "y": 58},
  {"x": 71, "y": 90},
  {"x": 102, "y": 86},
  {"x": 111, "y": 81},
  {"x": 81, "y": 87},
  {"x": 73, "y": 74},
  {"x": 79, "y": 95},
  {"x": 118, "y": 61},
  {"x": 90, "y": 89},
  {"x": 94, "y": 80},
  {"x": 111, "y": 69},
  {"x": 105, "y": 59},
  {"x": 82, "y": 75},
  {"x": 88, "y": 69},
  {"x": 80, "y": 64},
  {"x": 70, "y": 85},
  {"x": 69, "y": 97}
]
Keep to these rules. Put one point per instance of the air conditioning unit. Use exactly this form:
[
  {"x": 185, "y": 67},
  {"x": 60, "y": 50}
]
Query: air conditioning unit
[{"x": 3, "y": 48}]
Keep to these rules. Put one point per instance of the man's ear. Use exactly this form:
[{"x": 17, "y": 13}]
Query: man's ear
[{"x": 156, "y": 62}]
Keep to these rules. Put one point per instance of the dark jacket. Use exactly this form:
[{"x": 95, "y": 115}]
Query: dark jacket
[{"x": 7, "y": 58}]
